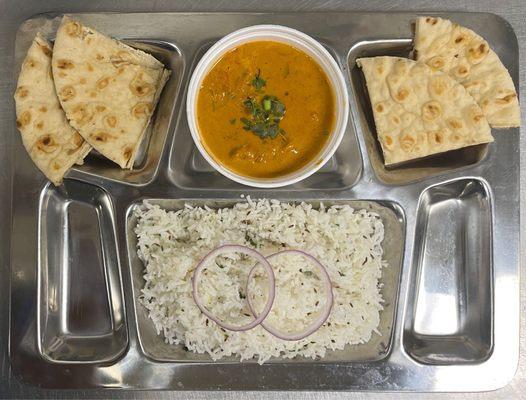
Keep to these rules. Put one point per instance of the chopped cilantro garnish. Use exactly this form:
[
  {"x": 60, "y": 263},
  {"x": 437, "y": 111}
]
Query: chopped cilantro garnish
[
  {"x": 264, "y": 113},
  {"x": 266, "y": 116},
  {"x": 258, "y": 82}
]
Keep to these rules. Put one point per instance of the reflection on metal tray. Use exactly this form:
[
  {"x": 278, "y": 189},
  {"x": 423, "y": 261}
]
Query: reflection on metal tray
[
  {"x": 449, "y": 315},
  {"x": 452, "y": 223},
  {"x": 78, "y": 258}
]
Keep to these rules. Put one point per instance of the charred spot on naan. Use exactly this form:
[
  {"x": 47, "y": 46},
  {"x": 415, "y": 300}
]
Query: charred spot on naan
[
  {"x": 127, "y": 153},
  {"x": 74, "y": 29},
  {"x": 110, "y": 121},
  {"x": 81, "y": 114},
  {"x": 505, "y": 97},
  {"x": 101, "y": 136},
  {"x": 67, "y": 93},
  {"x": 438, "y": 86},
  {"x": 436, "y": 62},
  {"x": 461, "y": 71},
  {"x": 407, "y": 141},
  {"x": 141, "y": 110},
  {"x": 103, "y": 82},
  {"x": 139, "y": 87},
  {"x": 65, "y": 64},
  {"x": 431, "y": 111},
  {"x": 431, "y": 20},
  {"x": 455, "y": 124},
  {"x": 24, "y": 119},
  {"x": 78, "y": 141},
  {"x": 436, "y": 138},
  {"x": 46, "y": 50},
  {"x": 22, "y": 92},
  {"x": 46, "y": 143},
  {"x": 477, "y": 51}
]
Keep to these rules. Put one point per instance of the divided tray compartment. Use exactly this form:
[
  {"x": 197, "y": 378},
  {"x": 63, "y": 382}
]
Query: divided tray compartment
[
  {"x": 412, "y": 171},
  {"x": 81, "y": 315},
  {"x": 153, "y": 143},
  {"x": 450, "y": 309},
  {"x": 154, "y": 346},
  {"x": 189, "y": 170},
  {"x": 95, "y": 166}
]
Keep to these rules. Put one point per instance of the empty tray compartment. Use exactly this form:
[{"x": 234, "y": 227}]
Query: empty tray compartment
[
  {"x": 189, "y": 170},
  {"x": 449, "y": 318},
  {"x": 411, "y": 171},
  {"x": 377, "y": 348},
  {"x": 80, "y": 301}
]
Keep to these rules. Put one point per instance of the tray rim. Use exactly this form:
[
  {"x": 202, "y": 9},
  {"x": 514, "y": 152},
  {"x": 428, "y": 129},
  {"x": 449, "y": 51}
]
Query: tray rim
[{"x": 444, "y": 178}]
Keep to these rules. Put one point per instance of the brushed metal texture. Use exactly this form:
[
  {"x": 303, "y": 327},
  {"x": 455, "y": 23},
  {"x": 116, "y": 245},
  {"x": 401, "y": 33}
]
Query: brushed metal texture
[{"x": 12, "y": 13}]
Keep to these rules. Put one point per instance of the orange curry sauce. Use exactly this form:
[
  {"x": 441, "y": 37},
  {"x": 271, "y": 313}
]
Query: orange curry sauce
[{"x": 295, "y": 79}]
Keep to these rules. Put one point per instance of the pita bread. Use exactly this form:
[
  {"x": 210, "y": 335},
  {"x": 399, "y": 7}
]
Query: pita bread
[
  {"x": 419, "y": 111},
  {"x": 54, "y": 146},
  {"x": 468, "y": 59},
  {"x": 107, "y": 89}
]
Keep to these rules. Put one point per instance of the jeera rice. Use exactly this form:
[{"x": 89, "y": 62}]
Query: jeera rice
[{"x": 347, "y": 242}]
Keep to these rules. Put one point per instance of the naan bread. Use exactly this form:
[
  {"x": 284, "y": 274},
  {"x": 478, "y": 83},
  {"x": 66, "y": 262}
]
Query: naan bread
[
  {"x": 54, "y": 146},
  {"x": 419, "y": 111},
  {"x": 108, "y": 89},
  {"x": 468, "y": 59}
]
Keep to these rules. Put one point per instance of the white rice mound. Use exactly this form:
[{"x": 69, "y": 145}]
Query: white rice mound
[{"x": 346, "y": 241}]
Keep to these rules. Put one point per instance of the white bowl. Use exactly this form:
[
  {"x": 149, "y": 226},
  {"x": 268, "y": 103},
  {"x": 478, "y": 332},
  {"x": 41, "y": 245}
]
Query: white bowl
[{"x": 300, "y": 41}]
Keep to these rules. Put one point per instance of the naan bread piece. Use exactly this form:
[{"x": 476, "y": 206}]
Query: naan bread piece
[
  {"x": 468, "y": 59},
  {"x": 108, "y": 89},
  {"x": 419, "y": 111},
  {"x": 54, "y": 146}
]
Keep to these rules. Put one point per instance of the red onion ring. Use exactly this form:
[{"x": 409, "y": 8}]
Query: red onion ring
[
  {"x": 230, "y": 248},
  {"x": 324, "y": 313}
]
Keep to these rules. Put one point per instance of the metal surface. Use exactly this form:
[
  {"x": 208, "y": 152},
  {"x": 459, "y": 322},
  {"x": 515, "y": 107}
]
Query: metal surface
[
  {"x": 80, "y": 304},
  {"x": 397, "y": 370},
  {"x": 15, "y": 389},
  {"x": 449, "y": 317}
]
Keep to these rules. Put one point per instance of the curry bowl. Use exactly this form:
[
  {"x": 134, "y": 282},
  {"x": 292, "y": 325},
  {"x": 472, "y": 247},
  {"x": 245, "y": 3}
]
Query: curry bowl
[{"x": 257, "y": 102}]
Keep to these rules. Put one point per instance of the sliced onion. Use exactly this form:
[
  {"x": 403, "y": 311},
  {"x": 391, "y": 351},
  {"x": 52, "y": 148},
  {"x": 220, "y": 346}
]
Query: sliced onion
[
  {"x": 309, "y": 330},
  {"x": 230, "y": 248}
]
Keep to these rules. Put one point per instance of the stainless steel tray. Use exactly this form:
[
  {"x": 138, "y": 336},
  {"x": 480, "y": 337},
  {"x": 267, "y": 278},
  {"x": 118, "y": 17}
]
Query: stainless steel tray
[{"x": 451, "y": 321}]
